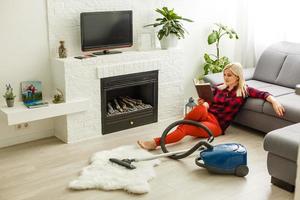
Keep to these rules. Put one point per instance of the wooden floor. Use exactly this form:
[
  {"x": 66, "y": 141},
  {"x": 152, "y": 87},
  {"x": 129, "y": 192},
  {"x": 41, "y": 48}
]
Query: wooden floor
[{"x": 42, "y": 169}]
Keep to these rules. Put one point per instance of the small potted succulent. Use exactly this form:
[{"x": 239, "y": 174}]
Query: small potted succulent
[
  {"x": 9, "y": 96},
  {"x": 58, "y": 97}
]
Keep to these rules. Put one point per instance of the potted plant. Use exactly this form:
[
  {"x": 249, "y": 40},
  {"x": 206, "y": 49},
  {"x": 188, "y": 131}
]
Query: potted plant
[
  {"x": 216, "y": 63},
  {"x": 58, "y": 97},
  {"x": 171, "y": 27},
  {"x": 9, "y": 96}
]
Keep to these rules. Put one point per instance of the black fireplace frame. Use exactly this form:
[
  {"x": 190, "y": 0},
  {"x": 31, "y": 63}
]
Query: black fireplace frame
[{"x": 124, "y": 121}]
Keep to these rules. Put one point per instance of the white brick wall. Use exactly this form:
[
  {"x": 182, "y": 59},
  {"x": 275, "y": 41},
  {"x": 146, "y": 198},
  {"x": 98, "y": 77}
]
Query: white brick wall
[
  {"x": 82, "y": 79},
  {"x": 64, "y": 19}
]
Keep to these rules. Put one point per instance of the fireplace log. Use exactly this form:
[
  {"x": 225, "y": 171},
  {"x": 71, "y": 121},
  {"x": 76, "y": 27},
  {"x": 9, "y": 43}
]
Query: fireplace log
[
  {"x": 110, "y": 109},
  {"x": 135, "y": 101},
  {"x": 128, "y": 99},
  {"x": 130, "y": 104},
  {"x": 122, "y": 104},
  {"x": 129, "y": 107},
  {"x": 118, "y": 107}
]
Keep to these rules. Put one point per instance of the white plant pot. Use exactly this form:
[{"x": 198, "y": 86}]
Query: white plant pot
[{"x": 169, "y": 42}]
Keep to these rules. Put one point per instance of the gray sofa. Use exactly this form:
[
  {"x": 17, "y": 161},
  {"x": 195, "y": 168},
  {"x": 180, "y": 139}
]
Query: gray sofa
[{"x": 277, "y": 72}]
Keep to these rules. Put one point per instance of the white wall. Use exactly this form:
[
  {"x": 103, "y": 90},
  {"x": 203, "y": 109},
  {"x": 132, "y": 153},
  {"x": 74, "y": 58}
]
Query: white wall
[
  {"x": 25, "y": 46},
  {"x": 24, "y": 56}
]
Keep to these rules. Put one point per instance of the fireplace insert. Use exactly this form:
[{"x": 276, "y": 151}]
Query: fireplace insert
[{"x": 128, "y": 101}]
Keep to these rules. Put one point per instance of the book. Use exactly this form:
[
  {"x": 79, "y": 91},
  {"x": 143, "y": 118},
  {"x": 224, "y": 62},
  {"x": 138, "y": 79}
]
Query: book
[
  {"x": 204, "y": 90},
  {"x": 36, "y": 104},
  {"x": 32, "y": 95}
]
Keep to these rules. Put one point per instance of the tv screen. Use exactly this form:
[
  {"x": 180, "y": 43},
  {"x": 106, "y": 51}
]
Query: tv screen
[{"x": 105, "y": 30}]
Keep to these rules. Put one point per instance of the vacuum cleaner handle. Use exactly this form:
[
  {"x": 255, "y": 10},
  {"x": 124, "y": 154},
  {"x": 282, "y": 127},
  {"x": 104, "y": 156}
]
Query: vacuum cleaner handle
[{"x": 193, "y": 149}]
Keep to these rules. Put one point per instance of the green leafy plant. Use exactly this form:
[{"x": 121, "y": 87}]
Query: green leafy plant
[
  {"x": 9, "y": 95},
  {"x": 58, "y": 97},
  {"x": 216, "y": 63},
  {"x": 170, "y": 22}
]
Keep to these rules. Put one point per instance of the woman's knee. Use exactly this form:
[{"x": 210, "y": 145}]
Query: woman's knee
[{"x": 198, "y": 113}]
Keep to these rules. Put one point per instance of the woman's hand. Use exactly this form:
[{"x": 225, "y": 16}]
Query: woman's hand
[
  {"x": 278, "y": 108},
  {"x": 202, "y": 102}
]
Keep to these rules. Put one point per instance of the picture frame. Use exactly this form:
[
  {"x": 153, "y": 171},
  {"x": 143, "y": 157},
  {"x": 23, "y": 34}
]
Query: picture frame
[
  {"x": 31, "y": 91},
  {"x": 32, "y": 95},
  {"x": 146, "y": 41}
]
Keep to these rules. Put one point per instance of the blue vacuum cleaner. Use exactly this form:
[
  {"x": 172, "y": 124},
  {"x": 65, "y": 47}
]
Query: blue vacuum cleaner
[{"x": 228, "y": 158}]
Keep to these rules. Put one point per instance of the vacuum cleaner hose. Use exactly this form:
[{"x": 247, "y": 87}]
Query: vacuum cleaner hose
[{"x": 194, "y": 148}]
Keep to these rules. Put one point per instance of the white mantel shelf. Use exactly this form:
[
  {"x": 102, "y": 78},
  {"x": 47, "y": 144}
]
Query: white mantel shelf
[{"x": 20, "y": 113}]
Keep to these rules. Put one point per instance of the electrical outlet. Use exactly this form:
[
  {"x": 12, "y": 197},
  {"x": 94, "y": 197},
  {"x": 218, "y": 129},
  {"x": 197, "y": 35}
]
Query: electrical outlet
[
  {"x": 21, "y": 126},
  {"x": 18, "y": 126}
]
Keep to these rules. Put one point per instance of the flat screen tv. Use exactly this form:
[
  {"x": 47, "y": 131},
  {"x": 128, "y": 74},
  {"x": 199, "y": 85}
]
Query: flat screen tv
[{"x": 105, "y": 30}]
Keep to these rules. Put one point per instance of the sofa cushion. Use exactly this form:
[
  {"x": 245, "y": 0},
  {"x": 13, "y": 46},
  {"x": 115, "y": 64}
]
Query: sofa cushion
[
  {"x": 217, "y": 78},
  {"x": 291, "y": 104},
  {"x": 257, "y": 84},
  {"x": 277, "y": 90},
  {"x": 269, "y": 65},
  {"x": 284, "y": 142},
  {"x": 289, "y": 74}
]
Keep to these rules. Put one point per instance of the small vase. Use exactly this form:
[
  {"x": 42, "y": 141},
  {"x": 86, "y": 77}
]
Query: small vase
[
  {"x": 169, "y": 42},
  {"x": 10, "y": 102},
  {"x": 62, "y": 51}
]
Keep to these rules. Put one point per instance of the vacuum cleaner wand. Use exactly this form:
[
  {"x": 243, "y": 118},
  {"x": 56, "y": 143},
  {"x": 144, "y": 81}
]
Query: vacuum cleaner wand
[
  {"x": 127, "y": 162},
  {"x": 124, "y": 162}
]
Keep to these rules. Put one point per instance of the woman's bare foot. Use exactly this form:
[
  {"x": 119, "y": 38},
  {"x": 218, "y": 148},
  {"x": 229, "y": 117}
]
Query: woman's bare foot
[{"x": 148, "y": 145}]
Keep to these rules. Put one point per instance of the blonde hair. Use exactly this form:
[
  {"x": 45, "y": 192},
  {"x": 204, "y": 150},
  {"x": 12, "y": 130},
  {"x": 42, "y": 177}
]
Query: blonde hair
[{"x": 237, "y": 70}]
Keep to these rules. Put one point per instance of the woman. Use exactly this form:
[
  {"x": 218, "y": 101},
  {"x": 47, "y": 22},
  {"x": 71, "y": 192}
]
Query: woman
[{"x": 217, "y": 115}]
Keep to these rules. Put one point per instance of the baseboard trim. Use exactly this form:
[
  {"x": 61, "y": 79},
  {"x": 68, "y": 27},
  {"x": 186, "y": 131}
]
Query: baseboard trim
[
  {"x": 18, "y": 139},
  {"x": 282, "y": 184}
]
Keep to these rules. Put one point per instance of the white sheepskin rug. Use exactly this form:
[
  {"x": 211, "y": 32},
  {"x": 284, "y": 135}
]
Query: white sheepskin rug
[{"x": 102, "y": 174}]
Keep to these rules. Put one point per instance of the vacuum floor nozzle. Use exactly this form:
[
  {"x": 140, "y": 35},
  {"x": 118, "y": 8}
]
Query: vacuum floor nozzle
[{"x": 124, "y": 162}]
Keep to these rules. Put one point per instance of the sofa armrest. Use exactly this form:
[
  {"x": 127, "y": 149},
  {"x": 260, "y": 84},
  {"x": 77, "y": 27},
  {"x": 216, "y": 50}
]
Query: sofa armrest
[
  {"x": 248, "y": 73},
  {"x": 214, "y": 79},
  {"x": 217, "y": 78}
]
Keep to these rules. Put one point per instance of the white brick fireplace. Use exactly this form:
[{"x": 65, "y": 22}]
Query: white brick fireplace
[{"x": 81, "y": 79}]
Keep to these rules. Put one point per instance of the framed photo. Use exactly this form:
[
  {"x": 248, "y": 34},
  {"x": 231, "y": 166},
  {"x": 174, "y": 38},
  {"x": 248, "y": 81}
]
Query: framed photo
[
  {"x": 146, "y": 41},
  {"x": 31, "y": 91}
]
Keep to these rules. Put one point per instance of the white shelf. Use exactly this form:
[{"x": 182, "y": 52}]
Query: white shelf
[{"x": 20, "y": 113}]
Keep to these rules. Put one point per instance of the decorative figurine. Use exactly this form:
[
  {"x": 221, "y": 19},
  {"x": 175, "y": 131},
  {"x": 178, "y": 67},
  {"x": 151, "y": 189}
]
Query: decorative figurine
[
  {"x": 9, "y": 96},
  {"x": 62, "y": 51},
  {"x": 58, "y": 97}
]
